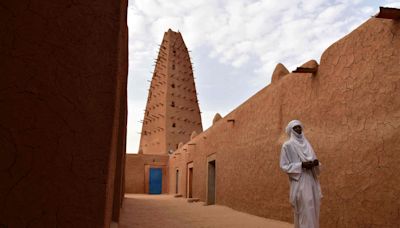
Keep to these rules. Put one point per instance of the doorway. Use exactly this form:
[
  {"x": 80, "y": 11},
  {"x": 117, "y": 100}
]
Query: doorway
[
  {"x": 211, "y": 183},
  {"x": 177, "y": 181},
  {"x": 155, "y": 181},
  {"x": 190, "y": 181}
]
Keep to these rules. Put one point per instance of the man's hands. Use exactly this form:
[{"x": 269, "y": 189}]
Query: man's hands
[
  {"x": 310, "y": 164},
  {"x": 316, "y": 162},
  {"x": 307, "y": 164}
]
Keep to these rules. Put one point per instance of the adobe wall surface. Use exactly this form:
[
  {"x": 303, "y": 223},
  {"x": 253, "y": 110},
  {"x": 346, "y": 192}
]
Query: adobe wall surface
[
  {"x": 137, "y": 172},
  {"x": 63, "y": 70},
  {"x": 351, "y": 113},
  {"x": 134, "y": 174},
  {"x": 178, "y": 184}
]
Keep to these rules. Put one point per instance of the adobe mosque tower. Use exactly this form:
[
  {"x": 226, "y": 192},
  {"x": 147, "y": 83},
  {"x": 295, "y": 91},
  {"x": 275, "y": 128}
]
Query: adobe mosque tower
[{"x": 172, "y": 112}]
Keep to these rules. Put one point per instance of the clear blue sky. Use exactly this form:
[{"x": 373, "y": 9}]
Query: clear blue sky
[{"x": 235, "y": 45}]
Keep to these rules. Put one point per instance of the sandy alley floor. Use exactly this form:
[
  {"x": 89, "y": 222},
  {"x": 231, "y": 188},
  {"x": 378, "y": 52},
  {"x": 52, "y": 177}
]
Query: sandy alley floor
[{"x": 165, "y": 211}]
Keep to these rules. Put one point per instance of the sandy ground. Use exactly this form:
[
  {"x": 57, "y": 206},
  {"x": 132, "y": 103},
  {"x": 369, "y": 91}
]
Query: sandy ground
[{"x": 165, "y": 211}]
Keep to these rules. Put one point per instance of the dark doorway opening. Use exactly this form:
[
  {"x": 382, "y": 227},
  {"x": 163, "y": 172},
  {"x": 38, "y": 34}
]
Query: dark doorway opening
[
  {"x": 211, "y": 183},
  {"x": 177, "y": 182},
  {"x": 190, "y": 182},
  {"x": 155, "y": 181}
]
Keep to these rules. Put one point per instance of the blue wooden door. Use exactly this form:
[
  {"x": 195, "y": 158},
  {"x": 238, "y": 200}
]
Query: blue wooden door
[{"x": 155, "y": 181}]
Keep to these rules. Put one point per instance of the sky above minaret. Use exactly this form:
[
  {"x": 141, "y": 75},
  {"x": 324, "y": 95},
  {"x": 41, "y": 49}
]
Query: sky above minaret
[{"x": 235, "y": 45}]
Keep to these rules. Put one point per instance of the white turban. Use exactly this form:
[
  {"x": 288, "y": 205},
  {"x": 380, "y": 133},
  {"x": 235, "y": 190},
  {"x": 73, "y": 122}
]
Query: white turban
[
  {"x": 299, "y": 142},
  {"x": 291, "y": 124}
]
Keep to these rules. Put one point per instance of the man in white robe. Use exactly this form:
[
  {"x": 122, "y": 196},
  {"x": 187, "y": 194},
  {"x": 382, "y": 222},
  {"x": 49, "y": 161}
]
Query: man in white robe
[{"x": 299, "y": 161}]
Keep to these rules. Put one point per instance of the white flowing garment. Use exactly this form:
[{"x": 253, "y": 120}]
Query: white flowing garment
[{"x": 305, "y": 191}]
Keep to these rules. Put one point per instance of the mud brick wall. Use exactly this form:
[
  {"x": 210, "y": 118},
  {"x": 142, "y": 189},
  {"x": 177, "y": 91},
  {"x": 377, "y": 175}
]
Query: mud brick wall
[
  {"x": 63, "y": 68},
  {"x": 351, "y": 112}
]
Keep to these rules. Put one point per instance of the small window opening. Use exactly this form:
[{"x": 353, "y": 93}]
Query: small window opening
[
  {"x": 173, "y": 104},
  {"x": 173, "y": 125}
]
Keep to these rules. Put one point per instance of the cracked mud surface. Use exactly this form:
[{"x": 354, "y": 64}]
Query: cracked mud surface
[{"x": 351, "y": 113}]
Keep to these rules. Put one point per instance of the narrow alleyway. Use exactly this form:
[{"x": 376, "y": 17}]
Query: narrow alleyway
[{"x": 165, "y": 211}]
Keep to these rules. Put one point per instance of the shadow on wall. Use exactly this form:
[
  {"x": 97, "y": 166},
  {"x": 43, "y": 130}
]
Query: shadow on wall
[{"x": 63, "y": 112}]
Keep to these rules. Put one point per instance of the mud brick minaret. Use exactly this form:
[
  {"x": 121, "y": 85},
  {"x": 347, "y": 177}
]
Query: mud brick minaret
[{"x": 172, "y": 112}]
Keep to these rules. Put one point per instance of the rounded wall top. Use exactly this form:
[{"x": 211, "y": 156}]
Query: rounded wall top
[
  {"x": 216, "y": 118},
  {"x": 279, "y": 72},
  {"x": 310, "y": 64},
  {"x": 193, "y": 135}
]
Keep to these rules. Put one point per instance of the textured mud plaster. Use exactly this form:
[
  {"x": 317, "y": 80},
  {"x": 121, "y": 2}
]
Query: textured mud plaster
[
  {"x": 351, "y": 112},
  {"x": 63, "y": 68},
  {"x": 134, "y": 174}
]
